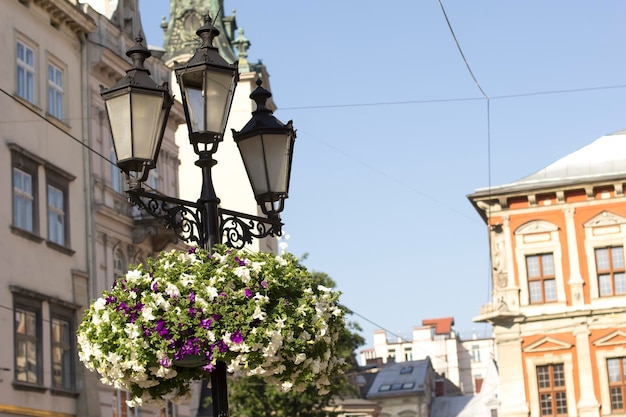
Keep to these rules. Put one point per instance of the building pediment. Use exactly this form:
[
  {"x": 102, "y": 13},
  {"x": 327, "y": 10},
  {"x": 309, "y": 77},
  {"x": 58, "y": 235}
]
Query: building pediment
[
  {"x": 605, "y": 218},
  {"x": 617, "y": 337},
  {"x": 537, "y": 226},
  {"x": 547, "y": 344}
]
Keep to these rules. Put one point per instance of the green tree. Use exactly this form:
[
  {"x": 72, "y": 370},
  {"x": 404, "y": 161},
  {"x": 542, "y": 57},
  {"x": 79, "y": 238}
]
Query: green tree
[{"x": 252, "y": 397}]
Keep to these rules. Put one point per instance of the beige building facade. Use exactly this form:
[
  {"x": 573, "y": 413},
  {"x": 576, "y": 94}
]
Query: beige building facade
[{"x": 44, "y": 276}]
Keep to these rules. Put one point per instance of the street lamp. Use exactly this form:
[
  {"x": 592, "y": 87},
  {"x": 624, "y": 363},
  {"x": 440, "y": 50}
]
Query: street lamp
[{"x": 138, "y": 109}]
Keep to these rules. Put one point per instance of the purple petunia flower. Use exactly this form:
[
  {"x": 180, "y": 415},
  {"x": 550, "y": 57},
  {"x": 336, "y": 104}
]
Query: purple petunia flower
[
  {"x": 165, "y": 362},
  {"x": 240, "y": 261},
  {"x": 122, "y": 307},
  {"x": 209, "y": 367},
  {"x": 161, "y": 329},
  {"x": 236, "y": 337},
  {"x": 206, "y": 323},
  {"x": 248, "y": 293},
  {"x": 155, "y": 286},
  {"x": 111, "y": 299},
  {"x": 264, "y": 284},
  {"x": 192, "y": 296},
  {"x": 191, "y": 250},
  {"x": 223, "y": 347}
]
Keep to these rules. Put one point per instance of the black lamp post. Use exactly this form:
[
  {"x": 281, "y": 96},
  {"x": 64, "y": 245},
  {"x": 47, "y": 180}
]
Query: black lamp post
[{"x": 138, "y": 109}]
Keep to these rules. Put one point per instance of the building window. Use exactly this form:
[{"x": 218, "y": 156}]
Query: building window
[
  {"x": 119, "y": 263},
  {"x": 25, "y": 71},
  {"x": 406, "y": 370},
  {"x": 153, "y": 180},
  {"x": 475, "y": 353},
  {"x": 169, "y": 410},
  {"x": 610, "y": 268},
  {"x": 552, "y": 393},
  {"x": 116, "y": 173},
  {"x": 408, "y": 354},
  {"x": 61, "y": 343},
  {"x": 541, "y": 278},
  {"x": 120, "y": 407},
  {"x": 27, "y": 329},
  {"x": 617, "y": 382},
  {"x": 55, "y": 91},
  {"x": 56, "y": 215},
  {"x": 24, "y": 207}
]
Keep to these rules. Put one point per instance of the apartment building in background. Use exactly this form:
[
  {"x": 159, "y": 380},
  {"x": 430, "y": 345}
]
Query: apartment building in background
[{"x": 460, "y": 365}]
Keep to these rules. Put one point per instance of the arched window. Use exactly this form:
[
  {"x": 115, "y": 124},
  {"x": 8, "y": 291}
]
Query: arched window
[{"x": 120, "y": 265}]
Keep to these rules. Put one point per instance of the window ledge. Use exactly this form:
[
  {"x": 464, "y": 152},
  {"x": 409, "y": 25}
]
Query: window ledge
[
  {"x": 26, "y": 234},
  {"x": 58, "y": 123},
  {"x": 34, "y": 107},
  {"x": 25, "y": 386},
  {"x": 60, "y": 248},
  {"x": 63, "y": 392}
]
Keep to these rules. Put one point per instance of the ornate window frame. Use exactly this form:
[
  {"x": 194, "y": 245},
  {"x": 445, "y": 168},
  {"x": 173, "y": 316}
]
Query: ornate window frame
[
  {"x": 534, "y": 238},
  {"x": 532, "y": 362},
  {"x": 603, "y": 230},
  {"x": 618, "y": 350}
]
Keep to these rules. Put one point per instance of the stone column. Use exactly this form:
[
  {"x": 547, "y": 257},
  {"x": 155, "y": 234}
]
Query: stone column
[
  {"x": 511, "y": 369},
  {"x": 588, "y": 405},
  {"x": 575, "y": 279}
]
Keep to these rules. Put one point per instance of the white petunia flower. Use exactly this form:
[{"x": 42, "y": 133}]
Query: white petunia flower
[
  {"x": 133, "y": 276},
  {"x": 172, "y": 290},
  {"x": 99, "y": 304}
]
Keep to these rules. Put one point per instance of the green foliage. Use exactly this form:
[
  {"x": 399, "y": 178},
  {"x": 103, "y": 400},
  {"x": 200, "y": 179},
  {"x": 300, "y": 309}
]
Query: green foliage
[{"x": 254, "y": 397}]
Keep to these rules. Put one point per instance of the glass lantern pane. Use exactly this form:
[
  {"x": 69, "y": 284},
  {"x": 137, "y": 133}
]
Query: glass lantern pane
[
  {"x": 251, "y": 150},
  {"x": 277, "y": 161},
  {"x": 195, "y": 106},
  {"x": 146, "y": 112},
  {"x": 218, "y": 88},
  {"x": 118, "y": 109}
]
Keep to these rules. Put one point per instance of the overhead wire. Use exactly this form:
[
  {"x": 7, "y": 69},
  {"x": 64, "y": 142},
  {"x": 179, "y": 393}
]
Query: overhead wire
[{"x": 486, "y": 96}]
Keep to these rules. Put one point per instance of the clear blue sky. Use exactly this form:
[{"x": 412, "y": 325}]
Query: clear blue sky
[{"x": 393, "y": 133}]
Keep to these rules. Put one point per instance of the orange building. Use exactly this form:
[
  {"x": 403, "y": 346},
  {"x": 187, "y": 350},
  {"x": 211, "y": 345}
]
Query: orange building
[{"x": 558, "y": 304}]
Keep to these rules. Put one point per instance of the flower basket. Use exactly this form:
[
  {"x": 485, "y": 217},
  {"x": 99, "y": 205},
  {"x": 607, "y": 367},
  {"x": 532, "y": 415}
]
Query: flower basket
[{"x": 162, "y": 327}]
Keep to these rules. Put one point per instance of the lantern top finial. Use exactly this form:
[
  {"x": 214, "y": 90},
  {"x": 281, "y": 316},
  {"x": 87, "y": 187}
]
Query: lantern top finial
[
  {"x": 207, "y": 32},
  {"x": 138, "y": 53}
]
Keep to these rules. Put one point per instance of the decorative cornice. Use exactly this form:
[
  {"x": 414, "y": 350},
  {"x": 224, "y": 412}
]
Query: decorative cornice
[{"x": 64, "y": 13}]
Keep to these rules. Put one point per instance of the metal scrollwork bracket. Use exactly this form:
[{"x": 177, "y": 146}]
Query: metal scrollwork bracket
[{"x": 185, "y": 219}]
